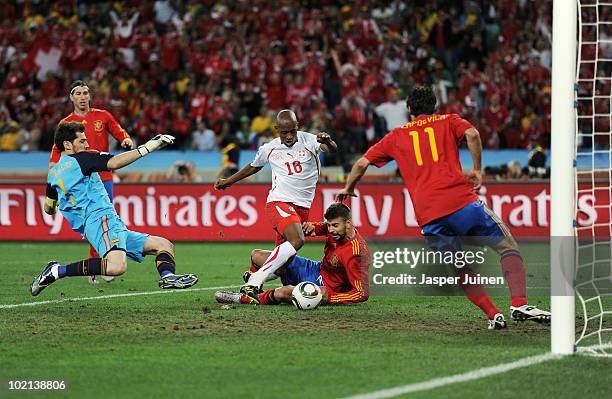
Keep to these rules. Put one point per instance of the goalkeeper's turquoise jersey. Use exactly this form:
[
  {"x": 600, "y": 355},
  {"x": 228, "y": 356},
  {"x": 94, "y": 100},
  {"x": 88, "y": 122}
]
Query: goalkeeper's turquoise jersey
[{"x": 75, "y": 182}]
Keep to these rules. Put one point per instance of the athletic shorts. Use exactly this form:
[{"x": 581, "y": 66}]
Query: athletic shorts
[
  {"x": 109, "y": 232},
  {"x": 282, "y": 214},
  {"x": 474, "y": 220},
  {"x": 302, "y": 269}
]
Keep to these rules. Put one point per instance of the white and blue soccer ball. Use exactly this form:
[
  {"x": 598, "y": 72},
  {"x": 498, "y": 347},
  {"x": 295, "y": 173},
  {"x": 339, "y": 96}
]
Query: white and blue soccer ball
[{"x": 306, "y": 296}]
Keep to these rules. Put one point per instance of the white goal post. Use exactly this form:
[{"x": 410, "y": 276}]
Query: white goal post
[
  {"x": 581, "y": 167},
  {"x": 562, "y": 175}
]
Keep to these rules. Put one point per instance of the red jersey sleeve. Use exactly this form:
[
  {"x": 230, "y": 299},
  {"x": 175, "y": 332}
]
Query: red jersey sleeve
[
  {"x": 115, "y": 128},
  {"x": 320, "y": 228},
  {"x": 358, "y": 278},
  {"x": 55, "y": 156},
  {"x": 382, "y": 152},
  {"x": 458, "y": 126}
]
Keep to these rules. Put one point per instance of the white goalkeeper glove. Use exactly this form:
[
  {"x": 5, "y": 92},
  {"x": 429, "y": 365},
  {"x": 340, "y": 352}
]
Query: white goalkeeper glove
[{"x": 156, "y": 143}]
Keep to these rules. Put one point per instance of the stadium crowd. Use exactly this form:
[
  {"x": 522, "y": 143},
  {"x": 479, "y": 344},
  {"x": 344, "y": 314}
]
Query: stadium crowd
[{"x": 215, "y": 73}]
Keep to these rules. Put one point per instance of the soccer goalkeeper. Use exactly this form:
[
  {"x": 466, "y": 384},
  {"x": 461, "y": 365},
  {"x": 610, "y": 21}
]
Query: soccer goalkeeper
[{"x": 85, "y": 204}]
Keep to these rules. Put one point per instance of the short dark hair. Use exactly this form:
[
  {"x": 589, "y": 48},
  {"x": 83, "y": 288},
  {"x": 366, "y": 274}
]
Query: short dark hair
[
  {"x": 338, "y": 210},
  {"x": 67, "y": 131},
  {"x": 77, "y": 83},
  {"x": 421, "y": 101}
]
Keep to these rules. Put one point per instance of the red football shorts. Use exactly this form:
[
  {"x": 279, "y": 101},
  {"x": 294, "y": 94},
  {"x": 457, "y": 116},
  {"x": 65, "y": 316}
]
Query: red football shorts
[{"x": 282, "y": 214}]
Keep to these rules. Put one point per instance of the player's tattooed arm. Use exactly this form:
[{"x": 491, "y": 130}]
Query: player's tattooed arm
[
  {"x": 475, "y": 147},
  {"x": 248, "y": 170},
  {"x": 327, "y": 144}
]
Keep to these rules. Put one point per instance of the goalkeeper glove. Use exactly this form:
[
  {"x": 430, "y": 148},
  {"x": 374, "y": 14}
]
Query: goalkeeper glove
[{"x": 156, "y": 143}]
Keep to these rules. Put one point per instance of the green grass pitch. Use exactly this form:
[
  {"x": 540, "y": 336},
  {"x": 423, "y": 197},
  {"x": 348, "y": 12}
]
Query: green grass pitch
[{"x": 183, "y": 344}]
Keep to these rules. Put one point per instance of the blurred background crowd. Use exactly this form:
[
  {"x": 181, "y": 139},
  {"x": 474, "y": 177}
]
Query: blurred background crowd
[{"x": 215, "y": 73}]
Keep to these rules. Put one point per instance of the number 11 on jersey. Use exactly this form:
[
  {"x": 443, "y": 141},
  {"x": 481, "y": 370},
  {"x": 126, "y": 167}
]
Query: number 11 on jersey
[{"x": 417, "y": 146}]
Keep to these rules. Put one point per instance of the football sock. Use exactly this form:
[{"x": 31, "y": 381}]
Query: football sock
[
  {"x": 92, "y": 252},
  {"x": 279, "y": 256},
  {"x": 165, "y": 264},
  {"x": 267, "y": 298},
  {"x": 85, "y": 267},
  {"x": 270, "y": 277},
  {"x": 476, "y": 294},
  {"x": 514, "y": 272},
  {"x": 253, "y": 267}
]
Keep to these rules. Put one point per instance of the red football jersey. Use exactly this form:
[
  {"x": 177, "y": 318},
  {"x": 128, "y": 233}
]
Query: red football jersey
[
  {"x": 98, "y": 125},
  {"x": 344, "y": 268},
  {"x": 428, "y": 158}
]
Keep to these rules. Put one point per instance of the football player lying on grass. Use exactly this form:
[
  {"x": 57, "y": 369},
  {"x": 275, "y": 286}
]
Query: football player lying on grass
[{"x": 342, "y": 274}]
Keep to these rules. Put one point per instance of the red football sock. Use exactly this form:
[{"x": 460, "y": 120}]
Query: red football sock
[
  {"x": 253, "y": 267},
  {"x": 514, "y": 273},
  {"x": 477, "y": 295},
  {"x": 267, "y": 298}
]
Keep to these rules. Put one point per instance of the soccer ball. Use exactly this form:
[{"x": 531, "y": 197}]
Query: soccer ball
[{"x": 306, "y": 296}]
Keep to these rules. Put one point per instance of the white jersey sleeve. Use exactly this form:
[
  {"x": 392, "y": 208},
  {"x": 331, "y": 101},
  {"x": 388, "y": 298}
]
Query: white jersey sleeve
[{"x": 311, "y": 142}]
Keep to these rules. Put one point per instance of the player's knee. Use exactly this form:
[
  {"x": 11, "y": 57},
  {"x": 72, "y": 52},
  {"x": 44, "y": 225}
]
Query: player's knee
[
  {"x": 116, "y": 267},
  {"x": 164, "y": 245}
]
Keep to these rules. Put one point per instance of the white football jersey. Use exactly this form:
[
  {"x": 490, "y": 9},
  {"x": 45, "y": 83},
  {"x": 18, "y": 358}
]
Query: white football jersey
[{"x": 295, "y": 170}]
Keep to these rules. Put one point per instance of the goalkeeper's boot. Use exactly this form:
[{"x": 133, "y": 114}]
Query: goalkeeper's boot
[
  {"x": 529, "y": 312},
  {"x": 251, "y": 293},
  {"x": 44, "y": 279},
  {"x": 246, "y": 276},
  {"x": 227, "y": 297},
  {"x": 497, "y": 322},
  {"x": 178, "y": 281}
]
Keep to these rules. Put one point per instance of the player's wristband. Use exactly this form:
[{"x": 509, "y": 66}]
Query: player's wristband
[
  {"x": 51, "y": 203},
  {"x": 143, "y": 150}
]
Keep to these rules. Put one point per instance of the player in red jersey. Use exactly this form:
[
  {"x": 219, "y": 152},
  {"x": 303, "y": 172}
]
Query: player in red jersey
[
  {"x": 342, "y": 274},
  {"x": 445, "y": 203},
  {"x": 98, "y": 125},
  {"x": 294, "y": 160}
]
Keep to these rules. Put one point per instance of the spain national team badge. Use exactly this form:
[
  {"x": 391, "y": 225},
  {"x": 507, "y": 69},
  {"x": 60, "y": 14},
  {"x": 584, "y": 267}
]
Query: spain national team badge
[
  {"x": 98, "y": 125},
  {"x": 334, "y": 260}
]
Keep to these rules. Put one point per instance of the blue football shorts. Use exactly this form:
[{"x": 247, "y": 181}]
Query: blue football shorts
[
  {"x": 475, "y": 224},
  {"x": 302, "y": 269},
  {"x": 109, "y": 232}
]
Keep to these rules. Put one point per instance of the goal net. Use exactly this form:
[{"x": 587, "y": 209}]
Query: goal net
[{"x": 593, "y": 178}]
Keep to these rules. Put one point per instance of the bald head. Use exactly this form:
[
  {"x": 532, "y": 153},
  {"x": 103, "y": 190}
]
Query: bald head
[
  {"x": 286, "y": 126},
  {"x": 286, "y": 117}
]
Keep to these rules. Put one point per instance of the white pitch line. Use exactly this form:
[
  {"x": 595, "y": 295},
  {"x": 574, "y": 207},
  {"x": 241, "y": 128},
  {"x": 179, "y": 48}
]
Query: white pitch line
[
  {"x": 19, "y": 305},
  {"x": 453, "y": 379}
]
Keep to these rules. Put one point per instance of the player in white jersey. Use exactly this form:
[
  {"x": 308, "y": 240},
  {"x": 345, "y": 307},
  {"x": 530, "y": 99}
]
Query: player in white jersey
[{"x": 294, "y": 159}]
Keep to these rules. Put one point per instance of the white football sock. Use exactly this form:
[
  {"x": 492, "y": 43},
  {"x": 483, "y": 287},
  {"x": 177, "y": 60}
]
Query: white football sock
[
  {"x": 279, "y": 256},
  {"x": 55, "y": 271}
]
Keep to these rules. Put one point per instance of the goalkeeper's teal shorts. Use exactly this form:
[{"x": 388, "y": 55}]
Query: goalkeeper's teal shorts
[{"x": 107, "y": 232}]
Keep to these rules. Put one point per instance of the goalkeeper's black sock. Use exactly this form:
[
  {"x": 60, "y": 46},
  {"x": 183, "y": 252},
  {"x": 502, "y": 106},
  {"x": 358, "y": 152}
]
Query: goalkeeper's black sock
[
  {"x": 85, "y": 267},
  {"x": 165, "y": 264}
]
